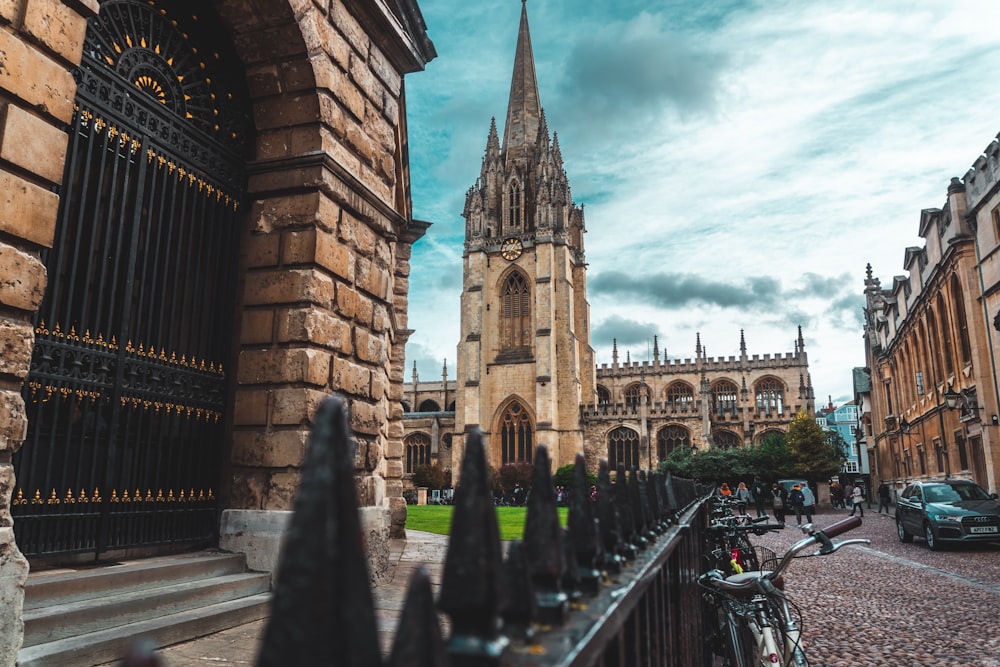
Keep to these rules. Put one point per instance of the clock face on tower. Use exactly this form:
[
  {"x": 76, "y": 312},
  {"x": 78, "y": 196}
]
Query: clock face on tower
[{"x": 511, "y": 249}]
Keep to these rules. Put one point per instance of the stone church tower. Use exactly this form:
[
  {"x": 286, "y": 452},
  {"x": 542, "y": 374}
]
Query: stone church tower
[{"x": 525, "y": 363}]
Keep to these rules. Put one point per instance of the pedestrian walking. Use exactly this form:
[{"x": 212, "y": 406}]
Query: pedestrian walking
[
  {"x": 779, "y": 502},
  {"x": 760, "y": 494},
  {"x": 883, "y": 496},
  {"x": 797, "y": 501},
  {"x": 836, "y": 495},
  {"x": 858, "y": 499},
  {"x": 808, "y": 503},
  {"x": 742, "y": 498},
  {"x": 848, "y": 492}
]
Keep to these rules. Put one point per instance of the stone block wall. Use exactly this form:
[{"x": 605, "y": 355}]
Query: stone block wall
[
  {"x": 328, "y": 228},
  {"x": 327, "y": 246}
]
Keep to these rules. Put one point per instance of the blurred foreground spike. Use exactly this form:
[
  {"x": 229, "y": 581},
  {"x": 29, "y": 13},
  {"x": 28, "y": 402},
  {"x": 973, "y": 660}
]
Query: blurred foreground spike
[
  {"x": 626, "y": 520},
  {"x": 582, "y": 529},
  {"x": 607, "y": 521},
  {"x": 543, "y": 543},
  {"x": 671, "y": 492},
  {"x": 322, "y": 609},
  {"x": 471, "y": 592},
  {"x": 655, "y": 487},
  {"x": 418, "y": 640},
  {"x": 519, "y": 610}
]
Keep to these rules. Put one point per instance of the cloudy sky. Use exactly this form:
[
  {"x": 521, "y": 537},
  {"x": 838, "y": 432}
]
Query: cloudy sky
[{"x": 740, "y": 162}]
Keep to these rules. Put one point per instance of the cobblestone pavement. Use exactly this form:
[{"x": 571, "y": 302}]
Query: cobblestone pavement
[
  {"x": 891, "y": 604},
  {"x": 885, "y": 605}
]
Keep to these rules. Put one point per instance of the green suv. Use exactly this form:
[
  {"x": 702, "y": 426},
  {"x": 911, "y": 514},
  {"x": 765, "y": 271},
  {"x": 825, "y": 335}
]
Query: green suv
[{"x": 949, "y": 510}]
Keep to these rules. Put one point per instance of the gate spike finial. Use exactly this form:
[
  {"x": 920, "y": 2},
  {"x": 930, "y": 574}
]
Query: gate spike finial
[
  {"x": 322, "y": 605},
  {"x": 582, "y": 529},
  {"x": 607, "y": 520},
  {"x": 418, "y": 640},
  {"x": 471, "y": 593},
  {"x": 543, "y": 543}
]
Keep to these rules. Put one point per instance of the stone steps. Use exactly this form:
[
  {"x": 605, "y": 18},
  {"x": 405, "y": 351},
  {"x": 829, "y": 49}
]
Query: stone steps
[{"x": 92, "y": 616}]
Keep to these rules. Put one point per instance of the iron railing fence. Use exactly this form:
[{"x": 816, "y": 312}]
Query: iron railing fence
[{"x": 617, "y": 587}]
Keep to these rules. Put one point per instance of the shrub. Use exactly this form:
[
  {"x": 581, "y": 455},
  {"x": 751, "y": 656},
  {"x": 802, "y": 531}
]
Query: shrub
[
  {"x": 431, "y": 476},
  {"x": 511, "y": 474},
  {"x": 564, "y": 477}
]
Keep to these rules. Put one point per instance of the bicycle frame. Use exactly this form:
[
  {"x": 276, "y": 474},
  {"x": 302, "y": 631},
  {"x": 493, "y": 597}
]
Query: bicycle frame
[{"x": 764, "y": 610}]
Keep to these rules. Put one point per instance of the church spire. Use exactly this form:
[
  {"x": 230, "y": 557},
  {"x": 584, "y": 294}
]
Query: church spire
[{"x": 523, "y": 109}]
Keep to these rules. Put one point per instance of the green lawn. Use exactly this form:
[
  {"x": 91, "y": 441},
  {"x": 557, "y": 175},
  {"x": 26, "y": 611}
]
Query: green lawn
[{"x": 437, "y": 519}]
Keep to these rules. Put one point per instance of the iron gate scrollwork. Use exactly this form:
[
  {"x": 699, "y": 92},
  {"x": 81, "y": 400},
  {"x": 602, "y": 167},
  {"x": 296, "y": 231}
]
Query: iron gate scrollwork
[{"x": 126, "y": 391}]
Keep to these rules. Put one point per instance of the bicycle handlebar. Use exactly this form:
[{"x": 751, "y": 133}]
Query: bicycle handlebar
[
  {"x": 842, "y": 526},
  {"x": 759, "y": 528},
  {"x": 821, "y": 537}
]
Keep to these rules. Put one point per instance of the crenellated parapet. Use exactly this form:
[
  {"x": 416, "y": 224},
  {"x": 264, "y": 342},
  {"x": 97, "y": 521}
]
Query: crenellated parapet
[{"x": 983, "y": 175}]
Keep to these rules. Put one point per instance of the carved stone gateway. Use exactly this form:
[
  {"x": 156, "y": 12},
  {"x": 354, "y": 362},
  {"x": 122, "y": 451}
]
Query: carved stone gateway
[{"x": 231, "y": 186}]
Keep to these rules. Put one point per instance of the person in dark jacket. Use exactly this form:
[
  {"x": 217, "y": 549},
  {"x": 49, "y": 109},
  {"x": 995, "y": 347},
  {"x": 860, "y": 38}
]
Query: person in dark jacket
[
  {"x": 779, "y": 501},
  {"x": 760, "y": 495},
  {"x": 797, "y": 501}
]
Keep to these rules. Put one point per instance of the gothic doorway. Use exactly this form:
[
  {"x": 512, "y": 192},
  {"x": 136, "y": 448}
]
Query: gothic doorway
[{"x": 126, "y": 392}]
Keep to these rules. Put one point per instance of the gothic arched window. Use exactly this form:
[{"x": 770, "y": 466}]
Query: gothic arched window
[
  {"x": 603, "y": 396},
  {"x": 961, "y": 323},
  {"x": 429, "y": 405},
  {"x": 770, "y": 396},
  {"x": 623, "y": 447},
  {"x": 418, "y": 451},
  {"x": 680, "y": 396},
  {"x": 515, "y": 313},
  {"x": 514, "y": 206},
  {"x": 724, "y": 397},
  {"x": 670, "y": 438},
  {"x": 726, "y": 439},
  {"x": 949, "y": 359},
  {"x": 516, "y": 437},
  {"x": 633, "y": 396}
]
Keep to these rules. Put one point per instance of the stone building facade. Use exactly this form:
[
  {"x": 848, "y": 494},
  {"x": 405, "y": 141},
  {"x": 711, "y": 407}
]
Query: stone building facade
[
  {"x": 931, "y": 406},
  {"x": 526, "y": 373},
  {"x": 306, "y": 103}
]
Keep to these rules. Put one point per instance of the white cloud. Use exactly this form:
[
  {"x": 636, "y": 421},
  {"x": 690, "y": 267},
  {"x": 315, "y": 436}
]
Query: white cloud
[{"x": 777, "y": 139}]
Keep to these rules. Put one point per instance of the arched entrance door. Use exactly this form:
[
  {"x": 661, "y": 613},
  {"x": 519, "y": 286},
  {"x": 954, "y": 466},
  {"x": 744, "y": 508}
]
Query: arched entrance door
[{"x": 127, "y": 386}]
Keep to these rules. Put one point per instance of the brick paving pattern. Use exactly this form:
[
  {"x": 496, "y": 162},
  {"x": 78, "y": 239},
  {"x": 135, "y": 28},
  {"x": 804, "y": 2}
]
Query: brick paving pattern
[
  {"x": 892, "y": 604},
  {"x": 885, "y": 605}
]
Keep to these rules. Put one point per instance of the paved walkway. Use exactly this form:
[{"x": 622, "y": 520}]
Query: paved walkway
[{"x": 238, "y": 646}]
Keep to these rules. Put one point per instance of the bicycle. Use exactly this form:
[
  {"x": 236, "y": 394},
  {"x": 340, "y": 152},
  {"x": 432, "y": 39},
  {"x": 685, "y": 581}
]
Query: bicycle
[
  {"x": 756, "y": 626},
  {"x": 730, "y": 549}
]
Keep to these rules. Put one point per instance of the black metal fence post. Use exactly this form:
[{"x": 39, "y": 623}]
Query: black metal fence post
[
  {"x": 471, "y": 592},
  {"x": 322, "y": 603},
  {"x": 543, "y": 544},
  {"x": 504, "y": 613}
]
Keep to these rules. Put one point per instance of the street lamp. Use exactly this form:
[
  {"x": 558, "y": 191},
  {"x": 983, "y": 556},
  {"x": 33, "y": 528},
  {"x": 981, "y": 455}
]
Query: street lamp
[{"x": 953, "y": 398}]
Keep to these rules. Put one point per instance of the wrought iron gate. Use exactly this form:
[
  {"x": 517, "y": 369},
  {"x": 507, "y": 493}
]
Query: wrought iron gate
[{"x": 127, "y": 387}]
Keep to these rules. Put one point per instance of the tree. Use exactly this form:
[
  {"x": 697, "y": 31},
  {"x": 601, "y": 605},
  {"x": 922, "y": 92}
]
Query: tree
[
  {"x": 816, "y": 457},
  {"x": 771, "y": 458},
  {"x": 564, "y": 476},
  {"x": 512, "y": 473},
  {"x": 710, "y": 465},
  {"x": 430, "y": 476}
]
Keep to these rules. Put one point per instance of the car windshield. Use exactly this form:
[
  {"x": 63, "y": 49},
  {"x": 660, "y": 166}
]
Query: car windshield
[{"x": 947, "y": 493}]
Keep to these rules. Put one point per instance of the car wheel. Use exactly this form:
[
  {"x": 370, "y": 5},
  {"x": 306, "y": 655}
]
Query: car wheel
[
  {"x": 931, "y": 537},
  {"x": 903, "y": 535}
]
